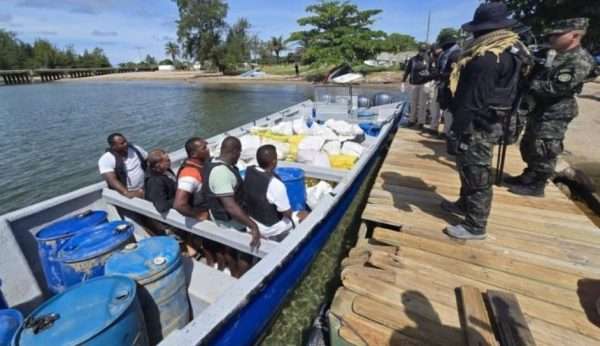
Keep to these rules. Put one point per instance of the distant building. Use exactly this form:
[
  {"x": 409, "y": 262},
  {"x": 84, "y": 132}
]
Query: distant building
[
  {"x": 166, "y": 68},
  {"x": 394, "y": 59}
]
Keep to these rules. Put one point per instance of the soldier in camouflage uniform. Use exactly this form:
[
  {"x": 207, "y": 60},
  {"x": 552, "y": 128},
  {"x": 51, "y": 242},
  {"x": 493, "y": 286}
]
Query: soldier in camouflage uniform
[{"x": 553, "y": 90}]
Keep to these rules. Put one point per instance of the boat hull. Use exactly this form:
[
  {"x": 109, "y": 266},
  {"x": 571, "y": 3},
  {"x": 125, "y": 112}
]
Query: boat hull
[{"x": 250, "y": 322}]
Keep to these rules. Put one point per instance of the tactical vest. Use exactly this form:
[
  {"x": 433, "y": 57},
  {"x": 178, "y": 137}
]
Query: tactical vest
[
  {"x": 214, "y": 204},
  {"x": 120, "y": 169},
  {"x": 256, "y": 184},
  {"x": 197, "y": 200},
  {"x": 419, "y": 73}
]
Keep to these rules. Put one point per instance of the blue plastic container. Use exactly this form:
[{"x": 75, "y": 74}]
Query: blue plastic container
[
  {"x": 371, "y": 129},
  {"x": 102, "y": 311},
  {"x": 156, "y": 264},
  {"x": 51, "y": 238},
  {"x": 293, "y": 178},
  {"x": 83, "y": 256},
  {"x": 10, "y": 321}
]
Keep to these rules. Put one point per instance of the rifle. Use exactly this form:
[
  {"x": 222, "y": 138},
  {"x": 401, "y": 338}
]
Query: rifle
[{"x": 505, "y": 113}]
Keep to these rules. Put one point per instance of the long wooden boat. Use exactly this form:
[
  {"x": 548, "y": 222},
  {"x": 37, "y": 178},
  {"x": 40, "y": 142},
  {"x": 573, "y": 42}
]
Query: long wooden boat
[{"x": 226, "y": 311}]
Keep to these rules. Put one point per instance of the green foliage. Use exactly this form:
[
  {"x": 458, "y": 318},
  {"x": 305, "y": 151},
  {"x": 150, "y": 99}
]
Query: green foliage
[
  {"x": 396, "y": 43},
  {"x": 172, "y": 50},
  {"x": 166, "y": 62},
  {"x": 539, "y": 13},
  {"x": 277, "y": 45},
  {"x": 237, "y": 46},
  {"x": 200, "y": 29},
  {"x": 338, "y": 32},
  {"x": 15, "y": 54},
  {"x": 447, "y": 33}
]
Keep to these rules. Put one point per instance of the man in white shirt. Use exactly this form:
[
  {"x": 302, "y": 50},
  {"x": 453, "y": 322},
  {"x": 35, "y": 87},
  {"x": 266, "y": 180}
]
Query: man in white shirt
[
  {"x": 266, "y": 196},
  {"x": 123, "y": 166}
]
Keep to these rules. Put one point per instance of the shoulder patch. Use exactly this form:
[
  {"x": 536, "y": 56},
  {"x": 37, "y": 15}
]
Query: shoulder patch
[{"x": 565, "y": 77}]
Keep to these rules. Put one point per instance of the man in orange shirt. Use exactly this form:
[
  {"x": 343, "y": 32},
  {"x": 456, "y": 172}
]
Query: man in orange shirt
[{"x": 188, "y": 196}]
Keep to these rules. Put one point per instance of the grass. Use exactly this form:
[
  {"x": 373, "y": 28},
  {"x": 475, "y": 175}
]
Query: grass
[{"x": 284, "y": 69}]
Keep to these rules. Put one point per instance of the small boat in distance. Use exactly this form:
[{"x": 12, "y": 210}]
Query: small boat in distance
[{"x": 226, "y": 311}]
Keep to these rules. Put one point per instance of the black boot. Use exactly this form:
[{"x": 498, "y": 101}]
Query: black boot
[
  {"x": 534, "y": 189},
  {"x": 524, "y": 178}
]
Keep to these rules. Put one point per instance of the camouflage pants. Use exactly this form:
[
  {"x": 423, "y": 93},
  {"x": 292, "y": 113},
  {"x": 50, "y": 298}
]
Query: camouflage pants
[
  {"x": 475, "y": 170},
  {"x": 540, "y": 154}
]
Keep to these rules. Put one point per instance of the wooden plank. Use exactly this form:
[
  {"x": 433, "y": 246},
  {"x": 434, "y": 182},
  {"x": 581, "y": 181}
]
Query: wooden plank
[
  {"x": 417, "y": 273},
  {"x": 474, "y": 318},
  {"x": 206, "y": 229},
  {"x": 509, "y": 319}
]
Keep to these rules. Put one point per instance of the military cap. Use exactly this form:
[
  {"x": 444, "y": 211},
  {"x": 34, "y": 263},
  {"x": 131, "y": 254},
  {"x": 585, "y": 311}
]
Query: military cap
[{"x": 566, "y": 25}]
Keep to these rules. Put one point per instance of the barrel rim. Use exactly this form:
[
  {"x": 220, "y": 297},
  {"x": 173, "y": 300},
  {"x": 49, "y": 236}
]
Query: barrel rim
[
  {"x": 65, "y": 256},
  {"x": 40, "y": 237}
]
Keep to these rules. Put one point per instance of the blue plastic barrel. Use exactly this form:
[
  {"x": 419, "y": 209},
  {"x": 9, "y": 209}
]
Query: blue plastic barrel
[
  {"x": 371, "y": 129},
  {"x": 99, "y": 312},
  {"x": 293, "y": 178},
  {"x": 156, "y": 264},
  {"x": 382, "y": 99},
  {"x": 83, "y": 256},
  {"x": 51, "y": 238},
  {"x": 10, "y": 321}
]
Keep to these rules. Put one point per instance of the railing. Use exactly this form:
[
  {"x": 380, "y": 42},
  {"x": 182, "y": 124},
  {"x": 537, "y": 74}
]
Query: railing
[{"x": 12, "y": 77}]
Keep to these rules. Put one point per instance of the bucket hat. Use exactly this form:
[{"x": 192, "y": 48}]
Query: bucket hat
[{"x": 490, "y": 16}]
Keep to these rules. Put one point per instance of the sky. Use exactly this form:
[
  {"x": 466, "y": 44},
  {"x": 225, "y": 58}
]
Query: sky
[{"x": 127, "y": 30}]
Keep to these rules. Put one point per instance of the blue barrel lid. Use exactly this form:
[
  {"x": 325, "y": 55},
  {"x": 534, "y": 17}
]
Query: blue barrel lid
[
  {"x": 10, "y": 321},
  {"x": 96, "y": 241},
  {"x": 289, "y": 173},
  {"x": 145, "y": 261},
  {"x": 80, "y": 312},
  {"x": 72, "y": 224}
]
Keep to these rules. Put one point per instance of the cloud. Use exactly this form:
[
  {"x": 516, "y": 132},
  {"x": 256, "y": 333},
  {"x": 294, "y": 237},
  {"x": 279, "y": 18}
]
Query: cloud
[
  {"x": 75, "y": 6},
  {"x": 106, "y": 43},
  {"x": 5, "y": 17},
  {"x": 104, "y": 33}
]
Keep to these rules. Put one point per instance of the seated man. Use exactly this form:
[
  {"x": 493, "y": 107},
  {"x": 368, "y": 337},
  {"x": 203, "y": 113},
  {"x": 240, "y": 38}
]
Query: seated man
[
  {"x": 122, "y": 166},
  {"x": 266, "y": 196},
  {"x": 159, "y": 188},
  {"x": 189, "y": 199},
  {"x": 224, "y": 192}
]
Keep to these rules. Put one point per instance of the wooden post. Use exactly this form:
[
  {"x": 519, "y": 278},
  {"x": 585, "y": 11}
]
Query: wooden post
[{"x": 474, "y": 318}]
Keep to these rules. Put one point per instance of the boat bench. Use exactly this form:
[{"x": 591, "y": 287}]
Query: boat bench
[{"x": 205, "y": 229}]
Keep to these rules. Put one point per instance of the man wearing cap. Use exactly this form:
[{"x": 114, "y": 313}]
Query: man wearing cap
[
  {"x": 419, "y": 70},
  {"x": 553, "y": 89},
  {"x": 450, "y": 54},
  {"x": 483, "y": 80}
]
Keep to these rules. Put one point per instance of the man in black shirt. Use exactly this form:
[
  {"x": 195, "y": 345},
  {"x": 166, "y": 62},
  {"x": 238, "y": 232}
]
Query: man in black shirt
[
  {"x": 419, "y": 71},
  {"x": 482, "y": 81}
]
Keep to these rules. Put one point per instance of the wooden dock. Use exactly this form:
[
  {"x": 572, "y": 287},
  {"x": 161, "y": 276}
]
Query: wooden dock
[{"x": 409, "y": 284}]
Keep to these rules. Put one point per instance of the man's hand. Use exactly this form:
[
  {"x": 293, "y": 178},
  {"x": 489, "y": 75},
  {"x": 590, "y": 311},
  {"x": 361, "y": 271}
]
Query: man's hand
[
  {"x": 202, "y": 215},
  {"x": 302, "y": 215},
  {"x": 255, "y": 242},
  {"x": 133, "y": 194},
  {"x": 403, "y": 87}
]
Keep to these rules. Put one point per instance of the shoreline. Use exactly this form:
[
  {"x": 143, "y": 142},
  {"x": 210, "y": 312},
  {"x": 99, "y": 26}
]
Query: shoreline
[{"x": 217, "y": 78}]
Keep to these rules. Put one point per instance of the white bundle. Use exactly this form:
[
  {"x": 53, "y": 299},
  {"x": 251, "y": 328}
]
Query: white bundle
[
  {"x": 323, "y": 131},
  {"x": 283, "y": 128},
  {"x": 300, "y": 128},
  {"x": 315, "y": 194},
  {"x": 321, "y": 159},
  {"x": 332, "y": 147},
  {"x": 250, "y": 144},
  {"x": 352, "y": 148}
]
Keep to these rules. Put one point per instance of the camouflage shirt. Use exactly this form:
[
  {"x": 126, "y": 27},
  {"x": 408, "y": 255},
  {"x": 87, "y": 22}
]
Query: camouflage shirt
[{"x": 554, "y": 91}]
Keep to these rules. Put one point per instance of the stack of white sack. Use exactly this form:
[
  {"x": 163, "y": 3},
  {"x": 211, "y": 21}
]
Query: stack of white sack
[
  {"x": 315, "y": 193},
  {"x": 332, "y": 147},
  {"x": 308, "y": 148},
  {"x": 250, "y": 144},
  {"x": 283, "y": 128},
  {"x": 352, "y": 148},
  {"x": 344, "y": 128}
]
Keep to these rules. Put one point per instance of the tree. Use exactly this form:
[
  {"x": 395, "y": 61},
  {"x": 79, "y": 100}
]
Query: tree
[
  {"x": 446, "y": 33},
  {"x": 277, "y": 45},
  {"x": 339, "y": 32},
  {"x": 9, "y": 50},
  {"x": 397, "y": 43},
  {"x": 200, "y": 27},
  {"x": 149, "y": 60},
  {"x": 237, "y": 45},
  {"x": 172, "y": 50},
  {"x": 539, "y": 13}
]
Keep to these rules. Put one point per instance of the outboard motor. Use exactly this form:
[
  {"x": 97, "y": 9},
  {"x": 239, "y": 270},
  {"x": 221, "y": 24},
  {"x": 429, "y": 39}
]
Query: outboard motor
[
  {"x": 364, "y": 102},
  {"x": 382, "y": 99}
]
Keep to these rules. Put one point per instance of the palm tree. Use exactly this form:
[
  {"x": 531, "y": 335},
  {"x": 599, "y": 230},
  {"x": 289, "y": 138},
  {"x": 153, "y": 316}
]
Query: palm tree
[
  {"x": 277, "y": 45},
  {"x": 172, "y": 49}
]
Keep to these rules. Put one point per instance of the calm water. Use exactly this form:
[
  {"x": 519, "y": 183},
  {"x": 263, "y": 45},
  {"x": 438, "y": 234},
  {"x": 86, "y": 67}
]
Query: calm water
[{"x": 51, "y": 135}]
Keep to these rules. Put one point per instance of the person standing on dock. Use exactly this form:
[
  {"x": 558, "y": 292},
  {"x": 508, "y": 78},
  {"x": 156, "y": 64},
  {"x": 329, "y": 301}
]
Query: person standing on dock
[
  {"x": 553, "y": 89},
  {"x": 484, "y": 80},
  {"x": 419, "y": 71}
]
